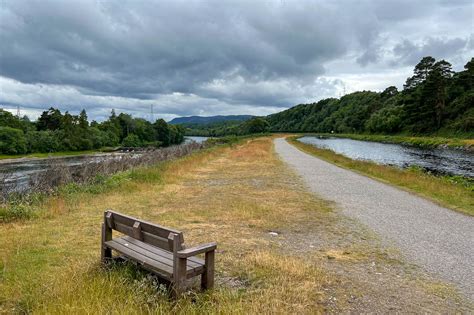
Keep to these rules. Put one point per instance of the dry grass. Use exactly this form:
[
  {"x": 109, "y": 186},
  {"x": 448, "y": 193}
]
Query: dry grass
[
  {"x": 231, "y": 195},
  {"x": 440, "y": 190}
]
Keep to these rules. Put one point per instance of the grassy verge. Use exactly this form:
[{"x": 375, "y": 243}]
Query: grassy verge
[
  {"x": 452, "y": 192},
  {"x": 423, "y": 142}
]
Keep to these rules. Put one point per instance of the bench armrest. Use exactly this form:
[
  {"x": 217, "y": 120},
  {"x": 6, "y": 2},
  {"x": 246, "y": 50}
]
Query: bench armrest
[{"x": 185, "y": 253}]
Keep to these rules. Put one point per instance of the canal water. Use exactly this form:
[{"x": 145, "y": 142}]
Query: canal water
[{"x": 438, "y": 161}]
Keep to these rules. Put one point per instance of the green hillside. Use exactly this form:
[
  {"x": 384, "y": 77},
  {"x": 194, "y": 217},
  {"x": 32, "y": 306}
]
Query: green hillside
[{"x": 435, "y": 100}]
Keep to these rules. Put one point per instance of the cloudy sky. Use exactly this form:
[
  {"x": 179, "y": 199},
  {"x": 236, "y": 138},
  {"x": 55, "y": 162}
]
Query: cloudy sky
[{"x": 216, "y": 57}]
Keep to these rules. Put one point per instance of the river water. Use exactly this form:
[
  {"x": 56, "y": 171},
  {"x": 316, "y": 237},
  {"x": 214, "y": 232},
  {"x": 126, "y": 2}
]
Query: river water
[
  {"x": 18, "y": 172},
  {"x": 195, "y": 138},
  {"x": 438, "y": 161}
]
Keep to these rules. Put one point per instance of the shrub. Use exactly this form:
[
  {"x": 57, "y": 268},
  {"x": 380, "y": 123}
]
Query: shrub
[
  {"x": 386, "y": 120},
  {"x": 42, "y": 141},
  {"x": 132, "y": 140},
  {"x": 255, "y": 125},
  {"x": 12, "y": 141}
]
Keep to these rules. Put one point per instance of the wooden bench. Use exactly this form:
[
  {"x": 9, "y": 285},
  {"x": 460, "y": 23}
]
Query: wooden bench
[{"x": 158, "y": 249}]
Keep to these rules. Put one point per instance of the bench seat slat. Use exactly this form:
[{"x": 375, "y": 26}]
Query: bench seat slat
[
  {"x": 153, "y": 257},
  {"x": 155, "y": 253},
  {"x": 157, "y": 266},
  {"x": 194, "y": 262},
  {"x": 147, "y": 237}
]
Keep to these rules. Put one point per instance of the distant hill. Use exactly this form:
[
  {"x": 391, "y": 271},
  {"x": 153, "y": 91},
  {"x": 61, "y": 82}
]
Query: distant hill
[{"x": 200, "y": 120}]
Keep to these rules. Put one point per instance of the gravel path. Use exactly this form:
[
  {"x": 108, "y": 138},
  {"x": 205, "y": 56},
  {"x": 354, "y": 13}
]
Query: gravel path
[{"x": 438, "y": 239}]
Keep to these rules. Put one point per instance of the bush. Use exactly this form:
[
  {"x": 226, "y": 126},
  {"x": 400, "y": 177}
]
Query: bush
[
  {"x": 84, "y": 144},
  {"x": 255, "y": 125},
  {"x": 132, "y": 140},
  {"x": 386, "y": 120},
  {"x": 12, "y": 141},
  {"x": 101, "y": 138},
  {"x": 42, "y": 141}
]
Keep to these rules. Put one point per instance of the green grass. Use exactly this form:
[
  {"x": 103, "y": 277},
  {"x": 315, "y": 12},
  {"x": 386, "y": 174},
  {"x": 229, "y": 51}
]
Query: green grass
[
  {"x": 423, "y": 142},
  {"x": 453, "y": 192}
]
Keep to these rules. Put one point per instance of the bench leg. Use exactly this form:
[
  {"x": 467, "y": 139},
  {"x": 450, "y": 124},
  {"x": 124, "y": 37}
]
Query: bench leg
[
  {"x": 207, "y": 278},
  {"x": 179, "y": 285},
  {"x": 106, "y": 253}
]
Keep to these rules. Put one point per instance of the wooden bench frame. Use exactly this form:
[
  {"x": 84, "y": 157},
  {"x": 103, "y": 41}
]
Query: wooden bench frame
[{"x": 158, "y": 249}]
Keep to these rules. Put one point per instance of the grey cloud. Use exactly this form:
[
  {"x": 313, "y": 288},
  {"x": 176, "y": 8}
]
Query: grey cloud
[
  {"x": 409, "y": 53},
  {"x": 136, "y": 49},
  {"x": 219, "y": 54}
]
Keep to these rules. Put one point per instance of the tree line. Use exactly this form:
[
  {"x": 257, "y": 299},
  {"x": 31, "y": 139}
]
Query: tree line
[
  {"x": 54, "y": 131},
  {"x": 434, "y": 100}
]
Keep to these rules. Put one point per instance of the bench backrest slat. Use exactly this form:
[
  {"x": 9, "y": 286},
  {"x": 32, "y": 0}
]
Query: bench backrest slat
[
  {"x": 147, "y": 232},
  {"x": 122, "y": 228},
  {"x": 156, "y": 241}
]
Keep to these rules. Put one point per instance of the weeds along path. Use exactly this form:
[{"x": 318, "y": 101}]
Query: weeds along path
[
  {"x": 440, "y": 240},
  {"x": 234, "y": 195}
]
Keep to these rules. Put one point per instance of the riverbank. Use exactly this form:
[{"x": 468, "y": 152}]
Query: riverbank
[
  {"x": 9, "y": 158},
  {"x": 35, "y": 157},
  {"x": 18, "y": 193},
  {"x": 44, "y": 176},
  {"x": 315, "y": 261},
  {"x": 452, "y": 192},
  {"x": 38, "y": 155},
  {"x": 422, "y": 142}
]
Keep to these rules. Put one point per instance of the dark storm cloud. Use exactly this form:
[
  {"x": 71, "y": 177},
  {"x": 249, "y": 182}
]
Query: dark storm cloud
[
  {"x": 202, "y": 56},
  {"x": 141, "y": 49}
]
